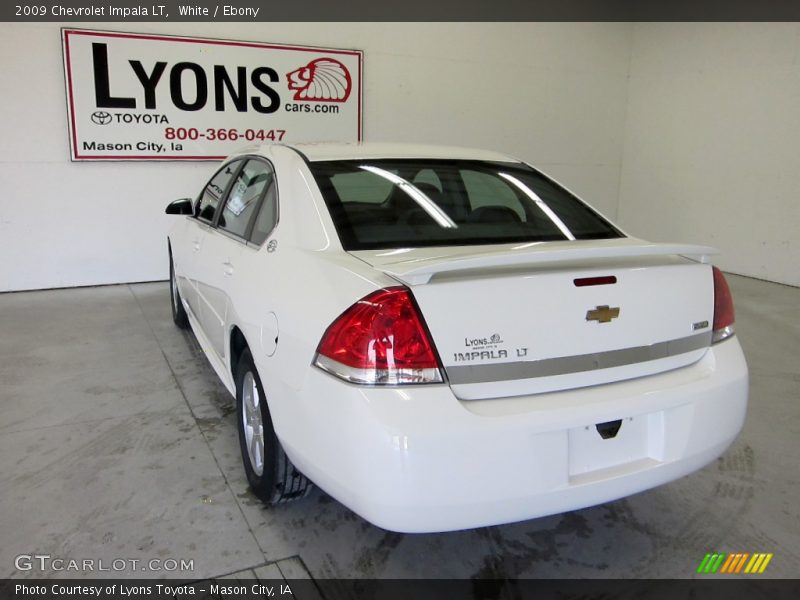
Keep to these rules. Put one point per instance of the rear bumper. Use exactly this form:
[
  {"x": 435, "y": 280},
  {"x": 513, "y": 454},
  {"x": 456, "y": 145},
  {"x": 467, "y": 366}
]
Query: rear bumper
[{"x": 416, "y": 459}]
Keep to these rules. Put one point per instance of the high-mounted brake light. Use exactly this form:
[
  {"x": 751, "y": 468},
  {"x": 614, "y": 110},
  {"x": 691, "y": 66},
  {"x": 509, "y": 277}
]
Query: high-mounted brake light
[
  {"x": 723, "y": 308},
  {"x": 381, "y": 339},
  {"x": 589, "y": 281}
]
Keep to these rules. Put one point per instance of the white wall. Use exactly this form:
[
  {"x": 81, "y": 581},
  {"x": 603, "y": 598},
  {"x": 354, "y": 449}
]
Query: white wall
[
  {"x": 712, "y": 142},
  {"x": 684, "y": 132},
  {"x": 553, "y": 94}
]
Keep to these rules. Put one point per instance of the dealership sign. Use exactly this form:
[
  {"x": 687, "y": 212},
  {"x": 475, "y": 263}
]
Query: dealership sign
[{"x": 154, "y": 97}]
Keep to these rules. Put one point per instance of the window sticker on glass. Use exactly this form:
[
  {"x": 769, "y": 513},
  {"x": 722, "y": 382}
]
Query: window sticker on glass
[{"x": 237, "y": 202}]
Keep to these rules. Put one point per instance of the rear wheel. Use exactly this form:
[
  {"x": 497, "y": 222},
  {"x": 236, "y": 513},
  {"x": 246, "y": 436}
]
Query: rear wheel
[
  {"x": 273, "y": 478},
  {"x": 178, "y": 312}
]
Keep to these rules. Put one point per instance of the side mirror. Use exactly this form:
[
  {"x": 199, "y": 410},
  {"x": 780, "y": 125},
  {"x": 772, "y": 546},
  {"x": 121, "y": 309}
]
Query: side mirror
[{"x": 182, "y": 206}]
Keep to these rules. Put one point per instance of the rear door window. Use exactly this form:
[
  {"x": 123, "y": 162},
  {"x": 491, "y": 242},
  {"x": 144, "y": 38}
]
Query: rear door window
[
  {"x": 267, "y": 216},
  {"x": 246, "y": 192},
  {"x": 214, "y": 191}
]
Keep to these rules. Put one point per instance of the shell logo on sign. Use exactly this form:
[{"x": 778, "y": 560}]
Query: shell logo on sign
[{"x": 321, "y": 80}]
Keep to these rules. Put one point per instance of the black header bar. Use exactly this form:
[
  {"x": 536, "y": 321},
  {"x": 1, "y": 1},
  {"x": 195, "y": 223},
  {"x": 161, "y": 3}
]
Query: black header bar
[{"x": 398, "y": 10}]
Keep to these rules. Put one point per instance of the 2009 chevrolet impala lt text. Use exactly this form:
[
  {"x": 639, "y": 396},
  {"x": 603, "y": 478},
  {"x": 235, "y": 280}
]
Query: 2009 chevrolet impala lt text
[{"x": 444, "y": 338}]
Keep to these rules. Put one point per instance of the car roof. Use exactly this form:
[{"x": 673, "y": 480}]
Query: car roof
[{"x": 357, "y": 150}]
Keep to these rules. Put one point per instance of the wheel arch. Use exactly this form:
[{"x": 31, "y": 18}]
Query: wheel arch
[{"x": 237, "y": 344}]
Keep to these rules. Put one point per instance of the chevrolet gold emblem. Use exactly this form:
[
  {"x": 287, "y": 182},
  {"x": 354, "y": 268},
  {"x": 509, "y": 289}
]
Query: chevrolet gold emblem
[{"x": 602, "y": 314}]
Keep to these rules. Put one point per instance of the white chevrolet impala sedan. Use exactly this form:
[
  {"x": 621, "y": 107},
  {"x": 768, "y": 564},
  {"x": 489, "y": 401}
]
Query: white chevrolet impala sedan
[{"x": 443, "y": 338}]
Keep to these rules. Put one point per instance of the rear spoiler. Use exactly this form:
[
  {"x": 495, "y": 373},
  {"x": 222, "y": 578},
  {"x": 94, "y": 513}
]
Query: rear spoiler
[{"x": 420, "y": 271}]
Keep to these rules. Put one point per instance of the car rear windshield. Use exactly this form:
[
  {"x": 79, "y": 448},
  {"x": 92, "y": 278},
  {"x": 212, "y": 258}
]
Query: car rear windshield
[{"x": 410, "y": 203}]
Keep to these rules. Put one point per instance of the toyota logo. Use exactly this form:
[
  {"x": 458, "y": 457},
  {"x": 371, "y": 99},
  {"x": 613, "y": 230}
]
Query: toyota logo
[{"x": 101, "y": 117}]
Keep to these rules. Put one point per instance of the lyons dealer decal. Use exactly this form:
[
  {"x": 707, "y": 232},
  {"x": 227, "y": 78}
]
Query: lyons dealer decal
[{"x": 154, "y": 97}]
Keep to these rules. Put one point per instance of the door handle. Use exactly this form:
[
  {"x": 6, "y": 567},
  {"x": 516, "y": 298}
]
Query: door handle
[
  {"x": 227, "y": 268},
  {"x": 196, "y": 245}
]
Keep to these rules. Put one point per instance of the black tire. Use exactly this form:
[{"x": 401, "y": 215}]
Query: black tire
[
  {"x": 277, "y": 480},
  {"x": 178, "y": 312}
]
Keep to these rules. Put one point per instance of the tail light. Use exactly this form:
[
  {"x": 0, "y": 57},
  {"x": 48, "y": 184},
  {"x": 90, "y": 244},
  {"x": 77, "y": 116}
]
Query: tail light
[
  {"x": 381, "y": 339},
  {"x": 723, "y": 308}
]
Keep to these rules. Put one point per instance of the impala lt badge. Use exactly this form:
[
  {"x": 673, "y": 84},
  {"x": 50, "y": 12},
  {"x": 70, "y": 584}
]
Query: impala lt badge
[{"x": 602, "y": 314}]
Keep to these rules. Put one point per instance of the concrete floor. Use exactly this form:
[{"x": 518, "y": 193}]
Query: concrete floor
[{"x": 117, "y": 441}]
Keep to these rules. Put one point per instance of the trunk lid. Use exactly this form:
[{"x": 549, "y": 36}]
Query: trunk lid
[{"x": 512, "y": 320}]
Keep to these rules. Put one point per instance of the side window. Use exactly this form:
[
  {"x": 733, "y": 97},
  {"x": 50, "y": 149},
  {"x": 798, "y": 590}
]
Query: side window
[
  {"x": 486, "y": 190},
  {"x": 247, "y": 189},
  {"x": 267, "y": 216},
  {"x": 209, "y": 199}
]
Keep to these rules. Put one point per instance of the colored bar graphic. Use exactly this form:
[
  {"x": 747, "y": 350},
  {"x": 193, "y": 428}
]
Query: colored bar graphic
[
  {"x": 703, "y": 564},
  {"x": 764, "y": 564},
  {"x": 711, "y": 563},
  {"x": 754, "y": 563},
  {"x": 718, "y": 562},
  {"x": 741, "y": 562},
  {"x": 734, "y": 562}
]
